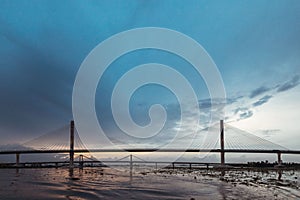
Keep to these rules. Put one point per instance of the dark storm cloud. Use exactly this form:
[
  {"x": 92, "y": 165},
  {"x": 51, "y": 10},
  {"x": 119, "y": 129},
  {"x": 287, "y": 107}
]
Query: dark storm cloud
[
  {"x": 259, "y": 91},
  {"x": 289, "y": 84},
  {"x": 262, "y": 100}
]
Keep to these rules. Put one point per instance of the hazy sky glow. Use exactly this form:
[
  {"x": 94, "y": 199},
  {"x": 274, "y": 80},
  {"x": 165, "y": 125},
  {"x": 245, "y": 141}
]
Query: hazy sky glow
[{"x": 255, "y": 44}]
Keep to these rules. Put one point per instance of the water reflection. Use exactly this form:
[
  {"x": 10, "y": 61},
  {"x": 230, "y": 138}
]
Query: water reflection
[
  {"x": 71, "y": 172},
  {"x": 279, "y": 175},
  {"x": 17, "y": 172},
  {"x": 105, "y": 183}
]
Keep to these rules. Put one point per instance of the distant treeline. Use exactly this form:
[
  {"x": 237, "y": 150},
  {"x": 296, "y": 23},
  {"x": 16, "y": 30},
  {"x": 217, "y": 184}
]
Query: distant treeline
[{"x": 273, "y": 164}]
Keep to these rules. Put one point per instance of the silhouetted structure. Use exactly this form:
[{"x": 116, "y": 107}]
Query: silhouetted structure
[
  {"x": 222, "y": 142},
  {"x": 55, "y": 142}
]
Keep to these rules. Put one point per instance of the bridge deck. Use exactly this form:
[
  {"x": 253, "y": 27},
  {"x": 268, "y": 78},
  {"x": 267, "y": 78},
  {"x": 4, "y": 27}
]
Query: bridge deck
[{"x": 152, "y": 150}]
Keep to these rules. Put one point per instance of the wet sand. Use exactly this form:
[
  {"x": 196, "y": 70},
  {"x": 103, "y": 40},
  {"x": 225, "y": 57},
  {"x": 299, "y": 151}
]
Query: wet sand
[{"x": 106, "y": 183}]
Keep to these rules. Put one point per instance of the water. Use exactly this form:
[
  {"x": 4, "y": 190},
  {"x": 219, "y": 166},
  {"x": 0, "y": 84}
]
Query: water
[{"x": 105, "y": 183}]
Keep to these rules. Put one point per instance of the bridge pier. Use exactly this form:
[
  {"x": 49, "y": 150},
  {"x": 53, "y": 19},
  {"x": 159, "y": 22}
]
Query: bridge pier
[
  {"x": 222, "y": 142},
  {"x": 17, "y": 159},
  {"x": 279, "y": 158},
  {"x": 131, "y": 167},
  {"x": 71, "y": 146}
]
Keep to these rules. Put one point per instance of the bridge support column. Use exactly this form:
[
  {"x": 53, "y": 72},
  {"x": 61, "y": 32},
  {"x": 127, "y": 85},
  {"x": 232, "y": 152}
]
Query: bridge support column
[
  {"x": 222, "y": 142},
  {"x": 131, "y": 166},
  {"x": 72, "y": 144},
  {"x": 17, "y": 159},
  {"x": 279, "y": 158}
]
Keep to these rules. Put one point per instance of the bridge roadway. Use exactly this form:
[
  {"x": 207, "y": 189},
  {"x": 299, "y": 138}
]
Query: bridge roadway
[{"x": 151, "y": 150}]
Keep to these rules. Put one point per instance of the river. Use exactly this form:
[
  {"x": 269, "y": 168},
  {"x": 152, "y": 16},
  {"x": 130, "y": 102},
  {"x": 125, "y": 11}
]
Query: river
[{"x": 106, "y": 183}]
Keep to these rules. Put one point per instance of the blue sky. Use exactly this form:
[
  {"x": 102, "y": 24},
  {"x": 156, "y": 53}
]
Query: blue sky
[{"x": 255, "y": 44}]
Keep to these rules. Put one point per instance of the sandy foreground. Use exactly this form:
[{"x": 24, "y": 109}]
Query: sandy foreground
[{"x": 106, "y": 183}]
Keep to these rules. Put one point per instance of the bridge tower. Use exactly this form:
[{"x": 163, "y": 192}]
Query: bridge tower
[{"x": 222, "y": 142}]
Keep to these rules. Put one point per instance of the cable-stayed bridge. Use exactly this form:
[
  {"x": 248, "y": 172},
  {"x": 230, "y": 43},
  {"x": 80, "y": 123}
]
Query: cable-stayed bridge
[{"x": 220, "y": 138}]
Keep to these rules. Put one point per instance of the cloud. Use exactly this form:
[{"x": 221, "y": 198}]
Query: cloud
[
  {"x": 241, "y": 107},
  {"x": 262, "y": 100},
  {"x": 269, "y": 132},
  {"x": 237, "y": 110},
  {"x": 237, "y": 113},
  {"x": 289, "y": 84},
  {"x": 246, "y": 114},
  {"x": 259, "y": 91},
  {"x": 233, "y": 99},
  {"x": 205, "y": 103}
]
